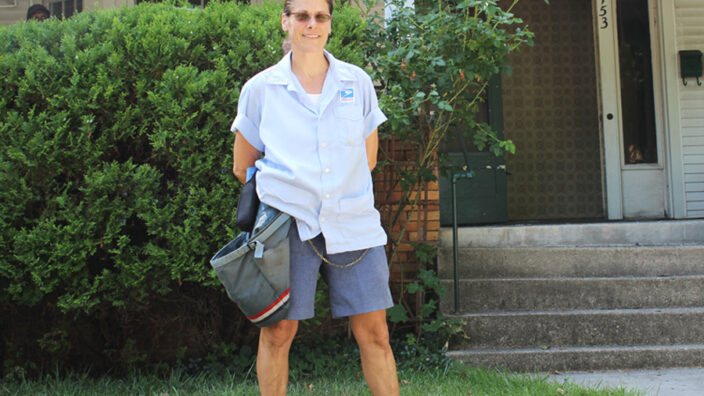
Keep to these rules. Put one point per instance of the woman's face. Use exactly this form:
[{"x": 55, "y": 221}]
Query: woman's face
[
  {"x": 40, "y": 16},
  {"x": 308, "y": 25}
]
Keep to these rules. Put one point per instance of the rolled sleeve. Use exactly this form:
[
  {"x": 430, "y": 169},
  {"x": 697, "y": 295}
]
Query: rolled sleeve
[
  {"x": 248, "y": 130},
  {"x": 249, "y": 115},
  {"x": 375, "y": 118}
]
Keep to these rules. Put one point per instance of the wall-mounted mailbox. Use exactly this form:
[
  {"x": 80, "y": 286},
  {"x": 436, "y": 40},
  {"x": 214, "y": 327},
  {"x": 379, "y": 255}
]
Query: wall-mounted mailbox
[{"x": 691, "y": 65}]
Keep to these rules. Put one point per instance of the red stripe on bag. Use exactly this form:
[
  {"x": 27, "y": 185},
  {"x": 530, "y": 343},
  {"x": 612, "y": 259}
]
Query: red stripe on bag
[{"x": 270, "y": 309}]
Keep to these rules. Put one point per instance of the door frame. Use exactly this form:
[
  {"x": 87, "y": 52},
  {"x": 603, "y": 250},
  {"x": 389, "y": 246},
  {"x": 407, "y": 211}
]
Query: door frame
[
  {"x": 677, "y": 204},
  {"x": 609, "y": 97}
]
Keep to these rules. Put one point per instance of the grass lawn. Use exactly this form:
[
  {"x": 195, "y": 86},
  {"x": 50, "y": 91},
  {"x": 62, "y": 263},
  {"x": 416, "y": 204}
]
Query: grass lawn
[{"x": 457, "y": 380}]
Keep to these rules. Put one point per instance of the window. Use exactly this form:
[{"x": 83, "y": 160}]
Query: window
[
  {"x": 65, "y": 8},
  {"x": 637, "y": 95}
]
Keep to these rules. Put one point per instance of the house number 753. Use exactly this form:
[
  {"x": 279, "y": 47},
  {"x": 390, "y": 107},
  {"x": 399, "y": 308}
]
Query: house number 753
[{"x": 603, "y": 12}]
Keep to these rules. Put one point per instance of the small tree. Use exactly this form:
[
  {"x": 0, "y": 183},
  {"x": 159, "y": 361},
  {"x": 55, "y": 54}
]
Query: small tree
[{"x": 434, "y": 62}]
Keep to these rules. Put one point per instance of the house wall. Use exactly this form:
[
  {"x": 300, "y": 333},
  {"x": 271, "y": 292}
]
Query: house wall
[
  {"x": 551, "y": 113},
  {"x": 689, "y": 26},
  {"x": 13, "y": 11}
]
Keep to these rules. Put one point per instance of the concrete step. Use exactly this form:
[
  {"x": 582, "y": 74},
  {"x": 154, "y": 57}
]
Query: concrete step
[
  {"x": 591, "y": 296},
  {"x": 546, "y": 262},
  {"x": 524, "y": 294},
  {"x": 636, "y": 233},
  {"x": 584, "y": 327},
  {"x": 590, "y": 358}
]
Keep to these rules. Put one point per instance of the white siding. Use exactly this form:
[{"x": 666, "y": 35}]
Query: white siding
[{"x": 689, "y": 24}]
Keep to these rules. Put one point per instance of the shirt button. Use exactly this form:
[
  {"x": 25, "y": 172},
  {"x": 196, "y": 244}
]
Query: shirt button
[
  {"x": 327, "y": 170},
  {"x": 322, "y": 219},
  {"x": 323, "y": 144},
  {"x": 327, "y": 196}
]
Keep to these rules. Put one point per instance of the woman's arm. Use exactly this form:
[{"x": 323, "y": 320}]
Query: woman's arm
[
  {"x": 243, "y": 156},
  {"x": 372, "y": 144}
]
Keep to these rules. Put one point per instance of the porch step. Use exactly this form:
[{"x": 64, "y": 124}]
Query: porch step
[
  {"x": 584, "y": 327},
  {"x": 523, "y": 294},
  {"x": 547, "y": 262},
  {"x": 589, "y": 358},
  {"x": 578, "y": 296},
  {"x": 635, "y": 233}
]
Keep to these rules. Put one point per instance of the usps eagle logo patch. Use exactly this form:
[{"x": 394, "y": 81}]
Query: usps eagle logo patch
[{"x": 347, "y": 95}]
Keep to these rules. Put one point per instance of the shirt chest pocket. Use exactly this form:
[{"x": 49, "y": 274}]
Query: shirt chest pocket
[{"x": 350, "y": 122}]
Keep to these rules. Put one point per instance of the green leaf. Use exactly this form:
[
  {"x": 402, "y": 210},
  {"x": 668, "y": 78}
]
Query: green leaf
[
  {"x": 443, "y": 105},
  {"x": 413, "y": 288},
  {"x": 397, "y": 314}
]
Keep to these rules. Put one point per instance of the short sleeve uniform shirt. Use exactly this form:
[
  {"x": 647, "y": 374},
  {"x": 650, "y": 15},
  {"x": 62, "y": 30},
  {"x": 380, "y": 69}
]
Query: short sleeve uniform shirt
[{"x": 315, "y": 162}]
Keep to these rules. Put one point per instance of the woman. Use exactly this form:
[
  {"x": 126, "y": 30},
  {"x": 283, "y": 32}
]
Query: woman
[
  {"x": 37, "y": 12},
  {"x": 316, "y": 120}
]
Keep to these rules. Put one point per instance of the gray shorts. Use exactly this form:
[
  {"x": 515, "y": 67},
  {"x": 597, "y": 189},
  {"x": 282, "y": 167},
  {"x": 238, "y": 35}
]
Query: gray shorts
[{"x": 360, "y": 288}]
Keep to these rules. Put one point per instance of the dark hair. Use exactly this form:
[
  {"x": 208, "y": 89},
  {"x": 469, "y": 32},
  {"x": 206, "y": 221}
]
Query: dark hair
[
  {"x": 287, "y": 6},
  {"x": 36, "y": 8}
]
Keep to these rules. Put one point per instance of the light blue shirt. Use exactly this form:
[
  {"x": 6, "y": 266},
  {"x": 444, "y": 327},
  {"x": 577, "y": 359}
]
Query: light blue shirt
[{"x": 315, "y": 164}]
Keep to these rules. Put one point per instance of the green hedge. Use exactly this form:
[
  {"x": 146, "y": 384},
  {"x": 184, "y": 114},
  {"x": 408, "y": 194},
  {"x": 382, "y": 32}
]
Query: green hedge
[{"x": 116, "y": 176}]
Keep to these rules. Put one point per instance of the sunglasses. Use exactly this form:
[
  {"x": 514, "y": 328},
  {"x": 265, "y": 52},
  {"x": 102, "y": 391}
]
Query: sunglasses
[{"x": 305, "y": 17}]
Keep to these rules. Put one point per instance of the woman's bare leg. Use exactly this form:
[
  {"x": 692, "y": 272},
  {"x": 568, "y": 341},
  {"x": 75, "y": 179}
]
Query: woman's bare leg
[
  {"x": 372, "y": 335},
  {"x": 272, "y": 357}
]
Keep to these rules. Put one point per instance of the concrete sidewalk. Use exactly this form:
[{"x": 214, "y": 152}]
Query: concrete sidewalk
[{"x": 662, "y": 382}]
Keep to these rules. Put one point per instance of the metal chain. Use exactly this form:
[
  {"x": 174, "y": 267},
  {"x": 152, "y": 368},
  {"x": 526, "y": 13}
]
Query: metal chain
[{"x": 338, "y": 265}]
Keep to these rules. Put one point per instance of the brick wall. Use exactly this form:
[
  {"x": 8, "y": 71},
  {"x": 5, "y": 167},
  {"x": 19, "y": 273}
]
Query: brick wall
[{"x": 424, "y": 223}]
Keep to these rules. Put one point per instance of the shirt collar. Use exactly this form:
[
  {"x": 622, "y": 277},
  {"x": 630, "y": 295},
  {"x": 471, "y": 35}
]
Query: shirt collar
[{"x": 282, "y": 74}]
